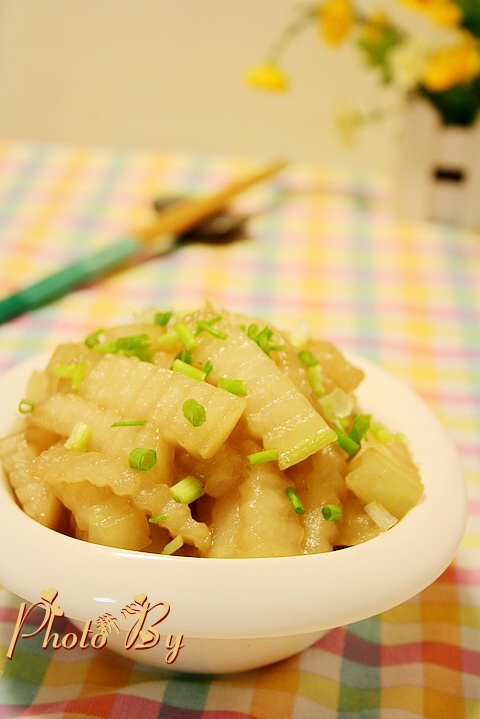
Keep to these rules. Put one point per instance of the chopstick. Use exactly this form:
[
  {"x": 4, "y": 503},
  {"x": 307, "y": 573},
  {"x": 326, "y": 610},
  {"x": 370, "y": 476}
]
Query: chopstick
[{"x": 173, "y": 220}]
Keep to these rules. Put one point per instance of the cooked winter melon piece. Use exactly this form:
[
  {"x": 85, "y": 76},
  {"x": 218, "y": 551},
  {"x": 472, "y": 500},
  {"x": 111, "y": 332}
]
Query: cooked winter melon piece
[
  {"x": 373, "y": 475},
  {"x": 334, "y": 365},
  {"x": 276, "y": 411},
  {"x": 58, "y": 464},
  {"x": 140, "y": 390},
  {"x": 35, "y": 497},
  {"x": 59, "y": 413},
  {"x": 104, "y": 518}
]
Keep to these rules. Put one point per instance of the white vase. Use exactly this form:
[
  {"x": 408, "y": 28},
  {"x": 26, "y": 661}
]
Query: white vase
[{"x": 439, "y": 169}]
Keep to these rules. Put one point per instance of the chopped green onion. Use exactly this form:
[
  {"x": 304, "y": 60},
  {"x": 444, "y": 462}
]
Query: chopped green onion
[
  {"x": 79, "y": 437},
  {"x": 346, "y": 442},
  {"x": 316, "y": 379},
  {"x": 168, "y": 341},
  {"x": 277, "y": 348},
  {"x": 143, "y": 459},
  {"x": 136, "y": 346},
  {"x": 380, "y": 515},
  {"x": 92, "y": 339},
  {"x": 160, "y": 518},
  {"x": 75, "y": 372},
  {"x": 360, "y": 427},
  {"x": 26, "y": 406},
  {"x": 110, "y": 347},
  {"x": 185, "y": 357},
  {"x": 332, "y": 513},
  {"x": 307, "y": 358},
  {"x": 130, "y": 423},
  {"x": 242, "y": 327},
  {"x": 185, "y": 334},
  {"x": 252, "y": 331},
  {"x": 210, "y": 321},
  {"x": 162, "y": 318},
  {"x": 208, "y": 368},
  {"x": 188, "y": 370},
  {"x": 194, "y": 412},
  {"x": 172, "y": 546},
  {"x": 205, "y": 327},
  {"x": 187, "y": 490},
  {"x": 381, "y": 433},
  {"x": 301, "y": 334},
  {"x": 263, "y": 340},
  {"x": 235, "y": 386},
  {"x": 267, "y": 455},
  {"x": 295, "y": 500}
]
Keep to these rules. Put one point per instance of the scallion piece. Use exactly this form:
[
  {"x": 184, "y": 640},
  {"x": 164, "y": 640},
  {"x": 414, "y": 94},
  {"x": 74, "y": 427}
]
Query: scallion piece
[
  {"x": 267, "y": 455},
  {"x": 185, "y": 334},
  {"x": 206, "y": 327},
  {"x": 194, "y": 412},
  {"x": 143, "y": 459},
  {"x": 130, "y": 423},
  {"x": 235, "y": 386},
  {"x": 307, "y": 358},
  {"x": 160, "y": 518},
  {"x": 360, "y": 427},
  {"x": 316, "y": 379},
  {"x": 110, "y": 347},
  {"x": 172, "y": 546},
  {"x": 162, "y": 318},
  {"x": 295, "y": 500},
  {"x": 381, "y": 433},
  {"x": 208, "y": 368},
  {"x": 136, "y": 346},
  {"x": 187, "y": 490},
  {"x": 75, "y": 372},
  {"x": 79, "y": 437},
  {"x": 188, "y": 370},
  {"x": 168, "y": 341},
  {"x": 92, "y": 339},
  {"x": 332, "y": 513},
  {"x": 26, "y": 406},
  {"x": 346, "y": 442},
  {"x": 252, "y": 331},
  {"x": 185, "y": 357}
]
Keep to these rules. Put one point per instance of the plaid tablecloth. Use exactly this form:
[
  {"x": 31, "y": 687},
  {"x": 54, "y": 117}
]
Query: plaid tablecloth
[{"x": 323, "y": 246}]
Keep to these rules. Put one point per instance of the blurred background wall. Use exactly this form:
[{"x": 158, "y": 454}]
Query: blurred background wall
[{"x": 167, "y": 75}]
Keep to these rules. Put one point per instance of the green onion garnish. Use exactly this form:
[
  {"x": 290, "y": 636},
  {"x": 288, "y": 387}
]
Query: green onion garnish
[
  {"x": 73, "y": 371},
  {"x": 143, "y": 459},
  {"x": 295, "y": 500},
  {"x": 316, "y": 379},
  {"x": 110, "y": 347},
  {"x": 26, "y": 406},
  {"x": 332, "y": 513},
  {"x": 92, "y": 339},
  {"x": 346, "y": 442},
  {"x": 267, "y": 455},
  {"x": 307, "y": 358},
  {"x": 206, "y": 327},
  {"x": 384, "y": 435},
  {"x": 168, "y": 341},
  {"x": 185, "y": 334},
  {"x": 252, "y": 331},
  {"x": 185, "y": 357},
  {"x": 160, "y": 518},
  {"x": 130, "y": 423},
  {"x": 162, "y": 318},
  {"x": 235, "y": 386},
  {"x": 172, "y": 546},
  {"x": 208, "y": 368},
  {"x": 188, "y": 370},
  {"x": 133, "y": 346},
  {"x": 360, "y": 427},
  {"x": 194, "y": 412},
  {"x": 79, "y": 437},
  {"x": 187, "y": 490}
]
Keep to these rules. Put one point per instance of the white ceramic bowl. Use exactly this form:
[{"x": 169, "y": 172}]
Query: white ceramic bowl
[{"x": 239, "y": 614}]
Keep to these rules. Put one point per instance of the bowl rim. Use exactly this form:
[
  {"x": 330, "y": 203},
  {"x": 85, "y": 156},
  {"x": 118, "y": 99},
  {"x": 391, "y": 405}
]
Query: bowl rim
[{"x": 309, "y": 592}]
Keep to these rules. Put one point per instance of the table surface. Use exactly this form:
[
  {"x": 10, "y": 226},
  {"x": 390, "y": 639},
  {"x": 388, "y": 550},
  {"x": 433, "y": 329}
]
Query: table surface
[{"x": 323, "y": 246}]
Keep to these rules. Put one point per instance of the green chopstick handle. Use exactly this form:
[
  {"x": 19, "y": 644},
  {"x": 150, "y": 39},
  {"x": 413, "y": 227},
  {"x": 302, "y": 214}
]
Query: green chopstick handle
[{"x": 53, "y": 287}]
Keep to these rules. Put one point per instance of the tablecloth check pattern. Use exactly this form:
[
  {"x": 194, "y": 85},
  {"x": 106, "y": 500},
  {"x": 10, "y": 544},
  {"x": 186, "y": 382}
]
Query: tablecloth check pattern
[{"x": 325, "y": 247}]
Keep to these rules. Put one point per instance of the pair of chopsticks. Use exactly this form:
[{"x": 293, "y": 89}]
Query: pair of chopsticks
[{"x": 156, "y": 239}]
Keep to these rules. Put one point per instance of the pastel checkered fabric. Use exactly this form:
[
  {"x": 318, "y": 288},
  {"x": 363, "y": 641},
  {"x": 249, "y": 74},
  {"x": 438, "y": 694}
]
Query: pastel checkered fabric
[{"x": 322, "y": 246}]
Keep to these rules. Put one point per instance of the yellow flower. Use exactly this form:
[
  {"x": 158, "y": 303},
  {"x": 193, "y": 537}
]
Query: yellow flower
[
  {"x": 267, "y": 76},
  {"x": 335, "y": 18},
  {"x": 443, "y": 12},
  {"x": 452, "y": 66}
]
